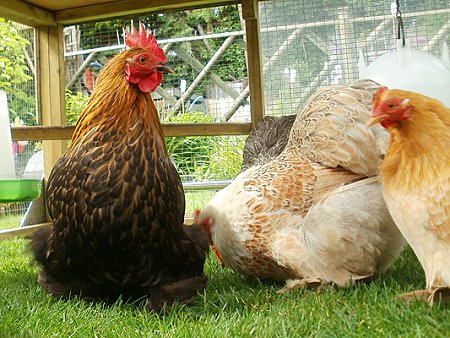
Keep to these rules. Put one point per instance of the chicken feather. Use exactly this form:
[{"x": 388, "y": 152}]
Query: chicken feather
[
  {"x": 116, "y": 200},
  {"x": 416, "y": 177},
  {"x": 331, "y": 129},
  {"x": 311, "y": 214}
]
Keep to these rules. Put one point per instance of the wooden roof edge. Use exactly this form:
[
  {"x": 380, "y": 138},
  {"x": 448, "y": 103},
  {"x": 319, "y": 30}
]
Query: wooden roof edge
[
  {"x": 34, "y": 16},
  {"x": 25, "y": 13},
  {"x": 130, "y": 7}
]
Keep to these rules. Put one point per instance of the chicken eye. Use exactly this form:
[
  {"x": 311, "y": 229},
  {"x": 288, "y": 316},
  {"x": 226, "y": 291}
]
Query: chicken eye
[
  {"x": 142, "y": 59},
  {"x": 391, "y": 105}
]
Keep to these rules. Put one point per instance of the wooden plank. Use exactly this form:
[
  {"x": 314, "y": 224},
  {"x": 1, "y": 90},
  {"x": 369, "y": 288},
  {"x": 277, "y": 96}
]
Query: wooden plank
[
  {"x": 207, "y": 129},
  {"x": 26, "y": 14},
  {"x": 51, "y": 104},
  {"x": 130, "y": 7},
  {"x": 42, "y": 133},
  {"x": 22, "y": 231},
  {"x": 192, "y": 129},
  {"x": 53, "y": 5},
  {"x": 250, "y": 14}
]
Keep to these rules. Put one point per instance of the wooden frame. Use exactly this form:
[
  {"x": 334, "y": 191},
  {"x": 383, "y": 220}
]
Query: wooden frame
[
  {"x": 36, "y": 13},
  {"x": 51, "y": 94},
  {"x": 50, "y": 70},
  {"x": 186, "y": 129}
]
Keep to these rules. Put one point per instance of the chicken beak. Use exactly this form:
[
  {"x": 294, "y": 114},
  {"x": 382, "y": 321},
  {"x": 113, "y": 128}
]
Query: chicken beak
[
  {"x": 165, "y": 69},
  {"x": 374, "y": 120}
]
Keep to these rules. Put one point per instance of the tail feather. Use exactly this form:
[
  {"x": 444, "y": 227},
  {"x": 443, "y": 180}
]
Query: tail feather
[
  {"x": 38, "y": 244},
  {"x": 331, "y": 129},
  {"x": 182, "y": 292},
  {"x": 200, "y": 236}
]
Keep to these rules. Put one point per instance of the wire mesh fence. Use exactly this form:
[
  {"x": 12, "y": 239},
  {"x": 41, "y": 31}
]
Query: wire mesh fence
[
  {"x": 205, "y": 47},
  {"x": 309, "y": 44},
  {"x": 305, "y": 45},
  {"x": 18, "y": 81}
]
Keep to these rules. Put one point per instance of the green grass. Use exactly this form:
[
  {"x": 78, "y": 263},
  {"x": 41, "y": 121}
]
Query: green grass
[
  {"x": 231, "y": 306},
  {"x": 9, "y": 221},
  {"x": 197, "y": 199}
]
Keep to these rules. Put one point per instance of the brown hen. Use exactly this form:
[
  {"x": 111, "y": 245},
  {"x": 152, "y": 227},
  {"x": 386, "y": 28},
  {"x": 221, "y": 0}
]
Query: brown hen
[{"x": 116, "y": 200}]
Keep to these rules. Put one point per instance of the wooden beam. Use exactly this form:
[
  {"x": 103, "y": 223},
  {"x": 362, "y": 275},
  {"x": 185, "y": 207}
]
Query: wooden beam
[
  {"x": 130, "y": 7},
  {"x": 26, "y": 13},
  {"x": 207, "y": 129},
  {"x": 38, "y": 133},
  {"x": 250, "y": 14},
  {"x": 51, "y": 81},
  {"x": 188, "y": 129}
]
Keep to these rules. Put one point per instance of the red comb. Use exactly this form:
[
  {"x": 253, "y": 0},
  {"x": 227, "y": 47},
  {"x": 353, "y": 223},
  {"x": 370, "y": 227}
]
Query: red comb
[
  {"x": 140, "y": 39},
  {"x": 197, "y": 213},
  {"x": 377, "y": 97},
  {"x": 381, "y": 90}
]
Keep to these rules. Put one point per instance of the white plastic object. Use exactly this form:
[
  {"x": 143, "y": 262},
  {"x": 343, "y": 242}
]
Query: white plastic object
[
  {"x": 412, "y": 70},
  {"x": 7, "y": 171}
]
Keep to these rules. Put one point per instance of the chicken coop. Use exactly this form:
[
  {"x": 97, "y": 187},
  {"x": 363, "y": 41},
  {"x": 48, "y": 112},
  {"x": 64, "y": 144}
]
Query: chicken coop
[{"x": 234, "y": 63}]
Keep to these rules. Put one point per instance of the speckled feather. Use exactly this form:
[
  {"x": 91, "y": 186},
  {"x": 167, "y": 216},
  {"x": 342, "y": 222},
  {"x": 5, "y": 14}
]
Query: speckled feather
[
  {"x": 305, "y": 217},
  {"x": 118, "y": 206},
  {"x": 267, "y": 140},
  {"x": 332, "y": 130}
]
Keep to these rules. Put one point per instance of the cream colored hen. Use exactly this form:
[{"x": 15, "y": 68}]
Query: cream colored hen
[
  {"x": 416, "y": 181},
  {"x": 314, "y": 214}
]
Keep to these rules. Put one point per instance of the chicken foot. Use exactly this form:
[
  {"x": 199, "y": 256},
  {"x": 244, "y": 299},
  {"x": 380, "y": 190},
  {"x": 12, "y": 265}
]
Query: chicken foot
[
  {"x": 434, "y": 296},
  {"x": 305, "y": 283}
]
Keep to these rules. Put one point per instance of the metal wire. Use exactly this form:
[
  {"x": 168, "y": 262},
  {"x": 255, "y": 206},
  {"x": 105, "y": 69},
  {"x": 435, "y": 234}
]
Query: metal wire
[{"x": 400, "y": 27}]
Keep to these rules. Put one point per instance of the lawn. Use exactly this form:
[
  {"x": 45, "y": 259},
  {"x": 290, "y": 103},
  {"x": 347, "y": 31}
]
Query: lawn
[{"x": 231, "y": 306}]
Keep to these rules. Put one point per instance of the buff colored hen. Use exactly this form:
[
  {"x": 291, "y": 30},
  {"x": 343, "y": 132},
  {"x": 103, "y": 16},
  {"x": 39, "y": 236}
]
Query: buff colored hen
[
  {"x": 315, "y": 214},
  {"x": 416, "y": 181}
]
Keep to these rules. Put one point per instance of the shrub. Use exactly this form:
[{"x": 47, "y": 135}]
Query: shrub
[
  {"x": 191, "y": 155},
  {"x": 197, "y": 158},
  {"x": 74, "y": 105}
]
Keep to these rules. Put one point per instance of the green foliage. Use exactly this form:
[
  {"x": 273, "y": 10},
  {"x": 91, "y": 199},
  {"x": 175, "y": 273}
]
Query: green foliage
[
  {"x": 204, "y": 157},
  {"x": 75, "y": 103},
  {"x": 12, "y": 59},
  {"x": 190, "y": 154},
  {"x": 226, "y": 159},
  {"x": 14, "y": 74}
]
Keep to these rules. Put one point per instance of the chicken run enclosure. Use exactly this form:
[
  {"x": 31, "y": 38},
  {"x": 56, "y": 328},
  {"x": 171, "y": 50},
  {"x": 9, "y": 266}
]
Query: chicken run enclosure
[{"x": 234, "y": 61}]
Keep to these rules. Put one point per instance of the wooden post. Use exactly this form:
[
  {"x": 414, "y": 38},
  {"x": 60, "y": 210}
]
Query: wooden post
[
  {"x": 250, "y": 14},
  {"x": 50, "y": 96}
]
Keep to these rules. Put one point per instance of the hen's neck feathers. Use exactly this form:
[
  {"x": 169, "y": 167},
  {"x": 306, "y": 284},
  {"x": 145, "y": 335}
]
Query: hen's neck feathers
[
  {"x": 419, "y": 147},
  {"x": 118, "y": 104}
]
